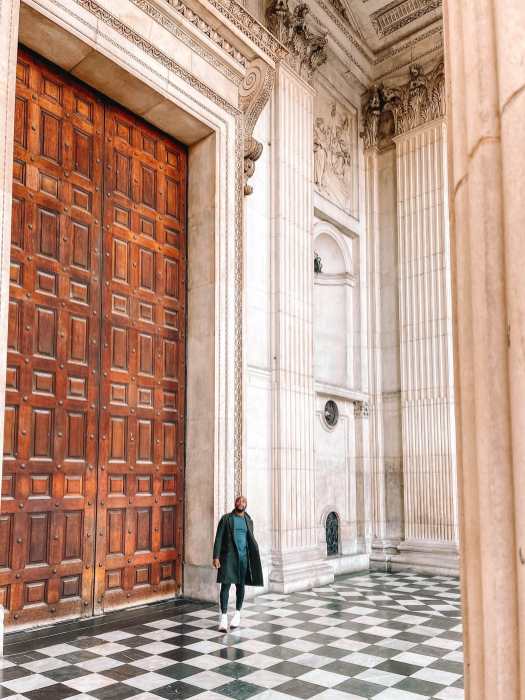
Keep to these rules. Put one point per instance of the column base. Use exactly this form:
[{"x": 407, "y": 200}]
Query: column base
[
  {"x": 200, "y": 583},
  {"x": 349, "y": 563},
  {"x": 299, "y": 570},
  {"x": 426, "y": 557}
]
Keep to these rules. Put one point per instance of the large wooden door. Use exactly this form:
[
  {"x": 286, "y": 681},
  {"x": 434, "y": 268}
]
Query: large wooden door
[
  {"x": 91, "y": 512},
  {"x": 139, "y": 536}
]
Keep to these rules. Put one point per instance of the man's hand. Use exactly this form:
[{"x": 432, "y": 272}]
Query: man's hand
[{"x": 216, "y": 563}]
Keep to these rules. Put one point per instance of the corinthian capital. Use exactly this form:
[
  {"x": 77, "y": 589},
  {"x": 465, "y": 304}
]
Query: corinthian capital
[{"x": 307, "y": 49}]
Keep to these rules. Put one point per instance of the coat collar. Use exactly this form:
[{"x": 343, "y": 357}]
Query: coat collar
[{"x": 230, "y": 519}]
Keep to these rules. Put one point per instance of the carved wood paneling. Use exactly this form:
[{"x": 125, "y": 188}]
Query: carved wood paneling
[{"x": 98, "y": 261}]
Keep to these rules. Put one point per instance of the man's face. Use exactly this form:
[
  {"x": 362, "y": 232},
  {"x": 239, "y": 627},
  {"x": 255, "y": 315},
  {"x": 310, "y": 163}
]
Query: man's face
[{"x": 240, "y": 504}]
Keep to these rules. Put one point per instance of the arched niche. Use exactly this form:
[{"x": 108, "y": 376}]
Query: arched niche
[{"x": 333, "y": 302}]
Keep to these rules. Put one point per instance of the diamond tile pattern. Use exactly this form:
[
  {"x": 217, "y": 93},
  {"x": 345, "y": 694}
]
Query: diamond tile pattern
[{"x": 377, "y": 636}]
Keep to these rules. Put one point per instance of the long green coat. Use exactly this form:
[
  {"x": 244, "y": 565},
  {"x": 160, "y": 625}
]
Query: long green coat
[{"x": 225, "y": 550}]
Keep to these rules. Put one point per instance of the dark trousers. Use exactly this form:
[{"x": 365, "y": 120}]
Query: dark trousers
[{"x": 239, "y": 588}]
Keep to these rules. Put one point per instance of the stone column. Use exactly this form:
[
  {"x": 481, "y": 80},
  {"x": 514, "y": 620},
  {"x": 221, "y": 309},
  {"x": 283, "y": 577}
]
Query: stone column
[
  {"x": 9, "y": 10},
  {"x": 383, "y": 345},
  {"x": 485, "y": 55},
  {"x": 425, "y": 319},
  {"x": 377, "y": 461},
  {"x": 297, "y": 560},
  {"x": 363, "y": 477}
]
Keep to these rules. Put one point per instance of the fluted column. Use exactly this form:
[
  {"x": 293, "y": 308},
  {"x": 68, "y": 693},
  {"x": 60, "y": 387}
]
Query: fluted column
[
  {"x": 9, "y": 10},
  {"x": 377, "y": 461},
  {"x": 427, "y": 388},
  {"x": 485, "y": 55},
  {"x": 296, "y": 556}
]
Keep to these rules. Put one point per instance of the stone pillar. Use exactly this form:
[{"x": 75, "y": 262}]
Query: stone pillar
[
  {"x": 425, "y": 319},
  {"x": 9, "y": 10},
  {"x": 363, "y": 477},
  {"x": 297, "y": 560},
  {"x": 383, "y": 344},
  {"x": 485, "y": 55},
  {"x": 377, "y": 461}
]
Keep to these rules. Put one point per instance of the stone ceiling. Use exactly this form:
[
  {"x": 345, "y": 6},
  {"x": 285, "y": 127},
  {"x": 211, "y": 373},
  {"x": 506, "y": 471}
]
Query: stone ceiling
[{"x": 381, "y": 23}]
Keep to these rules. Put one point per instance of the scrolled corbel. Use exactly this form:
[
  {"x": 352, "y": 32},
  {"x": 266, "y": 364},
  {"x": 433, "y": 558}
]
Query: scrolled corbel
[{"x": 254, "y": 93}]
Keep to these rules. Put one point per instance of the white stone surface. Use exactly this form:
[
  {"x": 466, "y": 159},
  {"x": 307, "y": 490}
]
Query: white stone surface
[{"x": 425, "y": 307}]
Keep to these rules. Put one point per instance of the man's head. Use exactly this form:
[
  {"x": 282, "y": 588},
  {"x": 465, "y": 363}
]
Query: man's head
[{"x": 240, "y": 504}]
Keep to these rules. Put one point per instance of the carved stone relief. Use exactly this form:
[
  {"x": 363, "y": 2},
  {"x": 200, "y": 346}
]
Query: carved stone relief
[
  {"x": 405, "y": 107},
  {"x": 307, "y": 48},
  {"x": 335, "y": 158}
]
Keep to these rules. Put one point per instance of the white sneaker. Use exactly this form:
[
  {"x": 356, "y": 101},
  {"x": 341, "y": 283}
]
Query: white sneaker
[
  {"x": 223, "y": 623},
  {"x": 236, "y": 619}
]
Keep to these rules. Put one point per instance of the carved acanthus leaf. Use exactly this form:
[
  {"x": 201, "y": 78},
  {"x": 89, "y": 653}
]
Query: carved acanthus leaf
[
  {"x": 307, "y": 48},
  {"x": 420, "y": 100},
  {"x": 254, "y": 93}
]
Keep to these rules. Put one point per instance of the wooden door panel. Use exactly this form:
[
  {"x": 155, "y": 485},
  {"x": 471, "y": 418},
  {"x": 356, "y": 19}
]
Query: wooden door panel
[
  {"x": 139, "y": 548},
  {"x": 49, "y": 480},
  {"x": 92, "y": 488}
]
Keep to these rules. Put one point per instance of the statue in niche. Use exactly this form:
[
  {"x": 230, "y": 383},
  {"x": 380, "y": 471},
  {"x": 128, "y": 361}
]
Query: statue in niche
[
  {"x": 318, "y": 263},
  {"x": 333, "y": 155}
]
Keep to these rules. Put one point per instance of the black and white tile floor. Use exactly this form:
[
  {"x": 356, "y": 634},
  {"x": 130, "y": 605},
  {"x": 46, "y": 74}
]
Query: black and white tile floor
[{"x": 380, "y": 636}]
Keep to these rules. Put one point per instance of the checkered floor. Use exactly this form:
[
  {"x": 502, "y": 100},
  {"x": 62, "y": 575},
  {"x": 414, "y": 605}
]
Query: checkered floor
[{"x": 380, "y": 636}]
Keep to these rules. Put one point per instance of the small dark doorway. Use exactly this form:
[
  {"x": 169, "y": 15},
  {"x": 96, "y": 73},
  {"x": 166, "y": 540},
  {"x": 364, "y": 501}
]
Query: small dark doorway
[{"x": 332, "y": 534}]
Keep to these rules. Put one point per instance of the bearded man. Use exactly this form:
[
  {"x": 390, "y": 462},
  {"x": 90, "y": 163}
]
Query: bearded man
[{"x": 236, "y": 558}]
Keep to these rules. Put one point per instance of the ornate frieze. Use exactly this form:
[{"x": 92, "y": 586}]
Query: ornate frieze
[
  {"x": 253, "y": 95},
  {"x": 307, "y": 48},
  {"x": 420, "y": 100},
  {"x": 208, "y": 30},
  {"x": 248, "y": 25},
  {"x": 397, "y": 15}
]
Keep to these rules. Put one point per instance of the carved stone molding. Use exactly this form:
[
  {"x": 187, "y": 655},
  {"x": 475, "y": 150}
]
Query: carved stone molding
[
  {"x": 420, "y": 100},
  {"x": 307, "y": 48},
  {"x": 248, "y": 25},
  {"x": 254, "y": 93},
  {"x": 372, "y": 116},
  {"x": 210, "y": 31},
  {"x": 397, "y": 15}
]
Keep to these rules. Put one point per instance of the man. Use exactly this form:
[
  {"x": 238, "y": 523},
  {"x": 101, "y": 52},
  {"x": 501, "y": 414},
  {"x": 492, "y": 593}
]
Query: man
[{"x": 236, "y": 558}]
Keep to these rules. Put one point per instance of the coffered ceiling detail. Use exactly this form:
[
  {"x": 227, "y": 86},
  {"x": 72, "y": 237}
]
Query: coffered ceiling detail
[{"x": 397, "y": 15}]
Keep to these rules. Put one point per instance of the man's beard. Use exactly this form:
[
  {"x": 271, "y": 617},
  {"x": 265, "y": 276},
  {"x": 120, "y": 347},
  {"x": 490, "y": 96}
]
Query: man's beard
[{"x": 240, "y": 509}]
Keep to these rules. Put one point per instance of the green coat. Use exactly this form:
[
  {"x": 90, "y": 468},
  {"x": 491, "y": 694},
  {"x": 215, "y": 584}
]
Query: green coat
[{"x": 225, "y": 550}]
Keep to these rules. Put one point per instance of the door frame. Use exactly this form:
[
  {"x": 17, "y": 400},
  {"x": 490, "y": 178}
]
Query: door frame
[{"x": 109, "y": 57}]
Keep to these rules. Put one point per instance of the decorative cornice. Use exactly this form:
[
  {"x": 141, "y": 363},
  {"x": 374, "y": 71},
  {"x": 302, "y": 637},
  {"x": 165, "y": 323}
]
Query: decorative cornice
[
  {"x": 420, "y": 100},
  {"x": 254, "y": 93},
  {"x": 397, "y": 15},
  {"x": 254, "y": 30},
  {"x": 200, "y": 24},
  {"x": 307, "y": 49}
]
